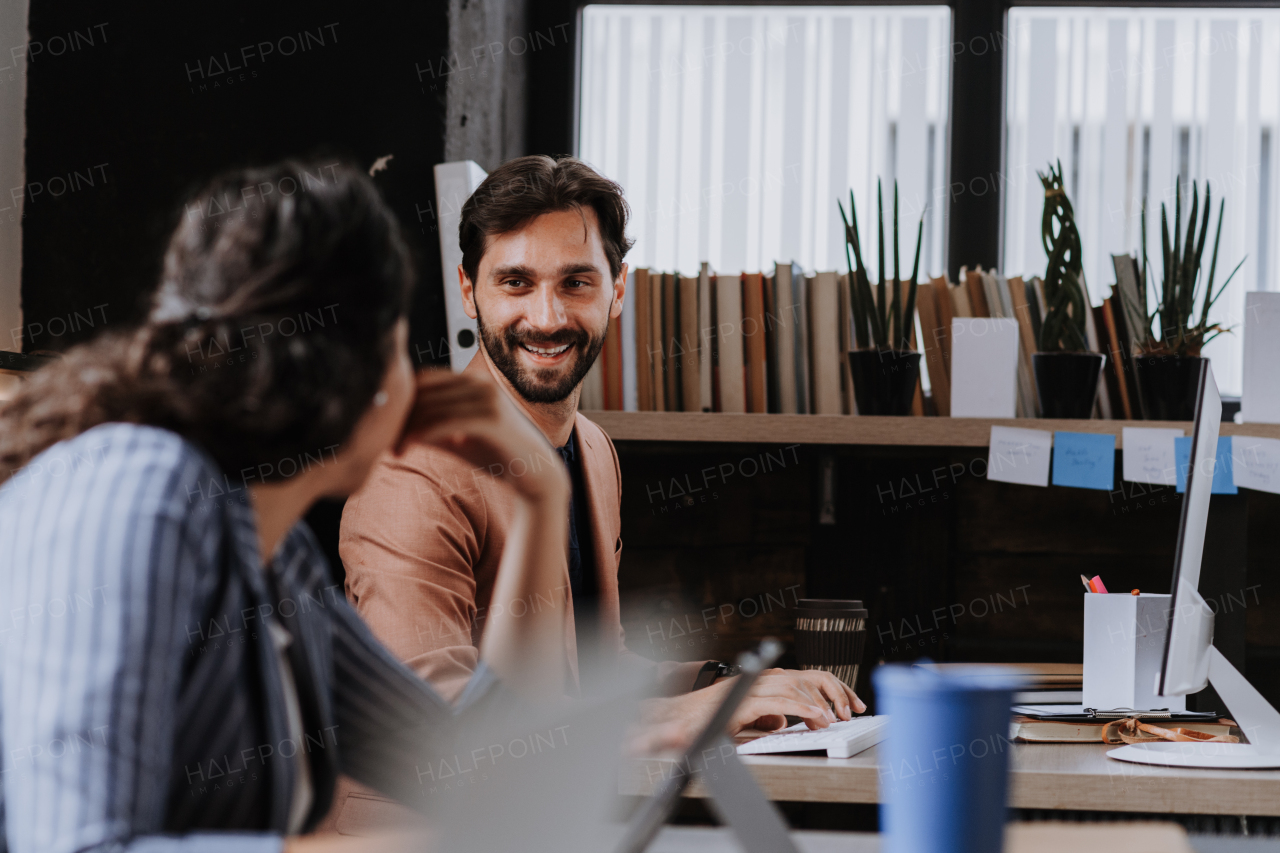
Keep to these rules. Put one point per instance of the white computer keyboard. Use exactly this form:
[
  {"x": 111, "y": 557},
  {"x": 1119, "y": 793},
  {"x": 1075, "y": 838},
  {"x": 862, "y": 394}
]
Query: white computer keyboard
[{"x": 841, "y": 740}]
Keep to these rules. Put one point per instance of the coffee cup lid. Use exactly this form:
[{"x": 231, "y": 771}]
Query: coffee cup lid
[{"x": 831, "y": 608}]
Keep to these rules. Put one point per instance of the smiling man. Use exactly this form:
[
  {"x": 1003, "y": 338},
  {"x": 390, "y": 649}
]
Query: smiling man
[{"x": 542, "y": 272}]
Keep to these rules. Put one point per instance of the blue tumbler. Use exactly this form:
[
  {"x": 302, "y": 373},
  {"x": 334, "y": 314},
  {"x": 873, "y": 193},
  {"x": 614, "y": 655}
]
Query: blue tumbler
[{"x": 944, "y": 768}]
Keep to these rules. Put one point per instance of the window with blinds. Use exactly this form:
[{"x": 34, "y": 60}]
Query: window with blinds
[
  {"x": 734, "y": 130},
  {"x": 1130, "y": 101}
]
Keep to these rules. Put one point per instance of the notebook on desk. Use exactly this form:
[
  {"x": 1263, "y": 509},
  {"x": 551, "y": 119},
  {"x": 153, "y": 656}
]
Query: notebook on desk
[
  {"x": 1043, "y": 683},
  {"x": 1078, "y": 713}
]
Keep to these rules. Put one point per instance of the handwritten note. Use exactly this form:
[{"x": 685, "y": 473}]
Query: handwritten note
[
  {"x": 1223, "y": 479},
  {"x": 1148, "y": 455},
  {"x": 1255, "y": 463},
  {"x": 1019, "y": 456},
  {"x": 1084, "y": 460}
]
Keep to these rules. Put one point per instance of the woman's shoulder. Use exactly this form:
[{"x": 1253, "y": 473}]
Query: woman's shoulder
[
  {"x": 110, "y": 458},
  {"x": 110, "y": 502}
]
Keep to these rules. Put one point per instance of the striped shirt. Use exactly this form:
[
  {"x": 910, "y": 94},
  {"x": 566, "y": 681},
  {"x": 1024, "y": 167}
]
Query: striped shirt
[{"x": 142, "y": 703}]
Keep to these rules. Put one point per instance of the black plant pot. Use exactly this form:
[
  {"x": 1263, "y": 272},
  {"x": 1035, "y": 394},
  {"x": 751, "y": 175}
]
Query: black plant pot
[
  {"x": 1168, "y": 385},
  {"x": 884, "y": 381},
  {"x": 1067, "y": 382}
]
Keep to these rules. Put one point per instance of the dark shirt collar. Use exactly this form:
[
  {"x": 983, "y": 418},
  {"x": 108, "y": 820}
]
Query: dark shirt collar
[{"x": 569, "y": 451}]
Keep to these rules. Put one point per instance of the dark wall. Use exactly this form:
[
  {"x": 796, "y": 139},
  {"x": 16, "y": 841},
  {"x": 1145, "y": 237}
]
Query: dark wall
[
  {"x": 156, "y": 97},
  {"x": 130, "y": 110},
  {"x": 722, "y": 540}
]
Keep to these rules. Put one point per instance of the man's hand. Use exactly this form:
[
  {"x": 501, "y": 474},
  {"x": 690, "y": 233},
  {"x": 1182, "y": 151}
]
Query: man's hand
[
  {"x": 673, "y": 723},
  {"x": 817, "y": 687},
  {"x": 471, "y": 417}
]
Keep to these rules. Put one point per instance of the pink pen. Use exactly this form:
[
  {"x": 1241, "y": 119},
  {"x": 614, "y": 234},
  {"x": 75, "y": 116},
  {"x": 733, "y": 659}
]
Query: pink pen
[{"x": 1097, "y": 584}]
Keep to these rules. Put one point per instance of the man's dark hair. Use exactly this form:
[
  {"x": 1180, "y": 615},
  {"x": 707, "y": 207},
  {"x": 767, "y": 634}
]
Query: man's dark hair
[{"x": 527, "y": 187}]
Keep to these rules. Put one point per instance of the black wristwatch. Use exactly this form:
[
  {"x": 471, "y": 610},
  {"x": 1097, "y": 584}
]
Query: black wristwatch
[{"x": 713, "y": 669}]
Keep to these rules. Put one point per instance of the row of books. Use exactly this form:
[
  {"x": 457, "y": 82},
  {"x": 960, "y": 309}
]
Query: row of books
[
  {"x": 981, "y": 293},
  {"x": 989, "y": 294},
  {"x": 760, "y": 342},
  {"x": 728, "y": 342}
]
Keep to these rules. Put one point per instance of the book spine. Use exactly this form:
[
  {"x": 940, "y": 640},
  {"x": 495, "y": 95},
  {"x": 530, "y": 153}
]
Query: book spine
[
  {"x": 729, "y": 343},
  {"x": 643, "y": 341},
  {"x": 753, "y": 334},
  {"x": 975, "y": 291},
  {"x": 927, "y": 308},
  {"x": 657, "y": 359},
  {"x": 670, "y": 342},
  {"x": 800, "y": 325},
  {"x": 771, "y": 369},
  {"x": 785, "y": 310},
  {"x": 1116, "y": 362},
  {"x": 630, "y": 374},
  {"x": 706, "y": 396},
  {"x": 690, "y": 352},
  {"x": 612, "y": 353}
]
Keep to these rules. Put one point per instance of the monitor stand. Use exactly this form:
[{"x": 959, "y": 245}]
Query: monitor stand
[{"x": 1259, "y": 721}]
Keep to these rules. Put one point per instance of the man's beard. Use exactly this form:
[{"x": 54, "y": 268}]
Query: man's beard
[{"x": 547, "y": 385}]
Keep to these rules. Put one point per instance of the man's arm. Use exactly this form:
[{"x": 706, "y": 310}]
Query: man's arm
[
  {"x": 669, "y": 678},
  {"x": 410, "y": 541}
]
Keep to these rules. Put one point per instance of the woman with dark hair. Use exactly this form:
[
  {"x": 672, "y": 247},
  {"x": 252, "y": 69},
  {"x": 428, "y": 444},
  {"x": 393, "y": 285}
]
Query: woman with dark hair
[{"x": 175, "y": 658}]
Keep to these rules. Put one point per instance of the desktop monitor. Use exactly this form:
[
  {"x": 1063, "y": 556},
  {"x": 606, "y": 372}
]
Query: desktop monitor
[
  {"x": 1190, "y": 660},
  {"x": 1185, "y": 666}
]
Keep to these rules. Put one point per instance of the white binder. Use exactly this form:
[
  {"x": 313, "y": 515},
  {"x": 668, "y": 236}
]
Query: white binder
[{"x": 455, "y": 182}]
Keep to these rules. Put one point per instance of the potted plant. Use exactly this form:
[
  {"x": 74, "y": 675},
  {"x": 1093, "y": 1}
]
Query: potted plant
[
  {"x": 1066, "y": 371},
  {"x": 1168, "y": 368},
  {"x": 884, "y": 367}
]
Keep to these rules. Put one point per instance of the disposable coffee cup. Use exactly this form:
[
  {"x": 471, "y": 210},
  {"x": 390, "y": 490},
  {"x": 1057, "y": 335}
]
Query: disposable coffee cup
[
  {"x": 830, "y": 635},
  {"x": 944, "y": 767}
]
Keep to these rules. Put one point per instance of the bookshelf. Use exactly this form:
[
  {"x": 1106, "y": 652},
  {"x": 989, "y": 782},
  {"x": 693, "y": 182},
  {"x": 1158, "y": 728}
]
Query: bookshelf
[{"x": 845, "y": 429}]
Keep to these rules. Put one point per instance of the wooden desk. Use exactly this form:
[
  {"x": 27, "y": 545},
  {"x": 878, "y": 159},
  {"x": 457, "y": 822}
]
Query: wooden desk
[
  {"x": 1019, "y": 838},
  {"x": 1044, "y": 776}
]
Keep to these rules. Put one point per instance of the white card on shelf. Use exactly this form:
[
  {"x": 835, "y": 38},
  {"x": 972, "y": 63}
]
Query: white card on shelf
[
  {"x": 1019, "y": 455},
  {"x": 1255, "y": 463},
  {"x": 1148, "y": 455},
  {"x": 1260, "y": 400},
  {"x": 984, "y": 367}
]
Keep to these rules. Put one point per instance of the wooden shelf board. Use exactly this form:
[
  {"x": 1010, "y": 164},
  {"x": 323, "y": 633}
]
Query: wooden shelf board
[{"x": 847, "y": 429}]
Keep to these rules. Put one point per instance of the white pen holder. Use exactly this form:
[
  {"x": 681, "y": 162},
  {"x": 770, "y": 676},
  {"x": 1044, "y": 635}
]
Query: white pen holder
[{"x": 1123, "y": 649}]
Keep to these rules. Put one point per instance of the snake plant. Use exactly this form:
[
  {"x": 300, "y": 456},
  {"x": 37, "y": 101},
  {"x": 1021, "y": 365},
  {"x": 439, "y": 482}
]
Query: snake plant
[
  {"x": 1063, "y": 327},
  {"x": 1179, "y": 331},
  {"x": 881, "y": 319}
]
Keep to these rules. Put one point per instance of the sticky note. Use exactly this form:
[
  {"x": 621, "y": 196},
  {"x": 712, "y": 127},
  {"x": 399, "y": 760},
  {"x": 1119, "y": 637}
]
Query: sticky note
[
  {"x": 1019, "y": 455},
  {"x": 1084, "y": 460},
  {"x": 984, "y": 367},
  {"x": 1255, "y": 463},
  {"x": 1148, "y": 455},
  {"x": 1260, "y": 402},
  {"x": 1223, "y": 480}
]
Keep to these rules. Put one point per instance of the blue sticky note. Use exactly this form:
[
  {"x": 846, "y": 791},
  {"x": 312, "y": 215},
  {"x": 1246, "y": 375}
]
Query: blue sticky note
[
  {"x": 1084, "y": 460},
  {"x": 1224, "y": 480}
]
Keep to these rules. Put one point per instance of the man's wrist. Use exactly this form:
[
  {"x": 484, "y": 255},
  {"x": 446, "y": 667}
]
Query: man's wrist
[{"x": 712, "y": 671}]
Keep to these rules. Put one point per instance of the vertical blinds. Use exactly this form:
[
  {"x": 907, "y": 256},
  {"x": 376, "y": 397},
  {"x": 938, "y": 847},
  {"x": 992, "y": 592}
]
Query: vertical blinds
[
  {"x": 1131, "y": 100},
  {"x": 734, "y": 130}
]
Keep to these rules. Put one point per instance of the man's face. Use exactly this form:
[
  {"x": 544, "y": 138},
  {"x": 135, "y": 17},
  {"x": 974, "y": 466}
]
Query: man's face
[{"x": 542, "y": 298}]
